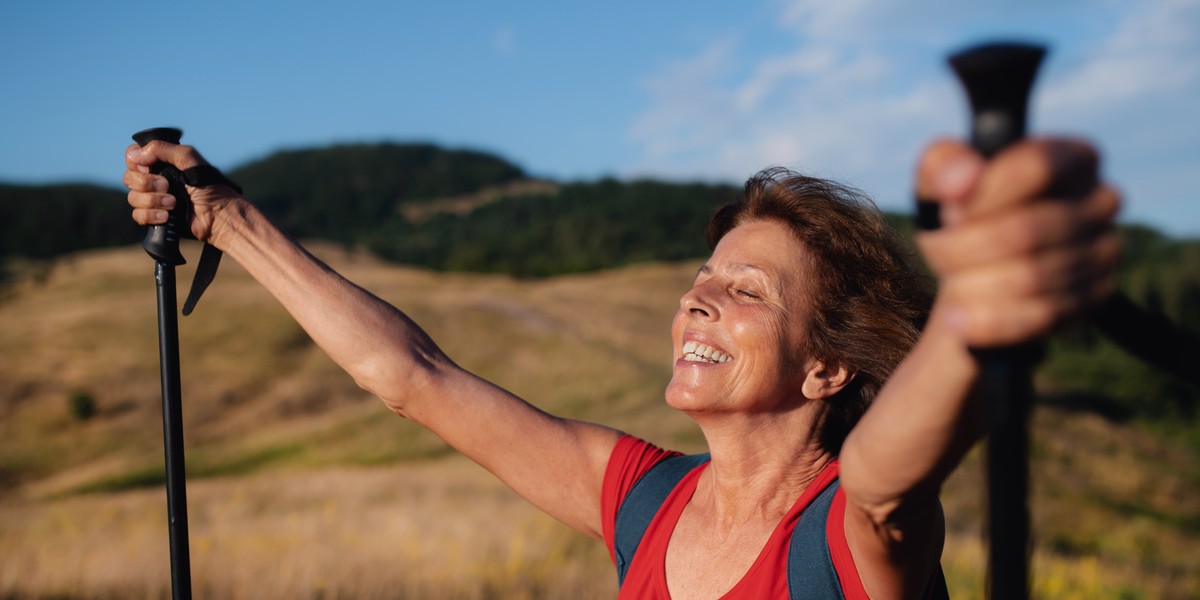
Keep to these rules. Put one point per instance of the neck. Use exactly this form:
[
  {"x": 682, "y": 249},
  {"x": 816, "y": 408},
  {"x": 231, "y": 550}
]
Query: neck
[{"x": 760, "y": 463}]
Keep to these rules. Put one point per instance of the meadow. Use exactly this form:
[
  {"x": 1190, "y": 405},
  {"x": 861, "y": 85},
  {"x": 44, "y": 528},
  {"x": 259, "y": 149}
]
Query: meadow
[{"x": 300, "y": 485}]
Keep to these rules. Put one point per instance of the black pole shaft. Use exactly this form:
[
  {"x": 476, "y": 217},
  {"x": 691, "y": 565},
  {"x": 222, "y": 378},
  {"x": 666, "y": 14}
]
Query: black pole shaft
[
  {"x": 172, "y": 409},
  {"x": 998, "y": 79},
  {"x": 1008, "y": 394}
]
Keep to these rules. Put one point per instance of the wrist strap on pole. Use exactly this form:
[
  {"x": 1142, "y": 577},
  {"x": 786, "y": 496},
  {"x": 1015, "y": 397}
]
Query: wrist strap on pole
[{"x": 210, "y": 257}]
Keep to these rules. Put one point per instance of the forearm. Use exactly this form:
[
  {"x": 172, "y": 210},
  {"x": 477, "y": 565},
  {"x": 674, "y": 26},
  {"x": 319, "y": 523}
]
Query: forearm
[
  {"x": 380, "y": 347},
  {"x": 923, "y": 422}
]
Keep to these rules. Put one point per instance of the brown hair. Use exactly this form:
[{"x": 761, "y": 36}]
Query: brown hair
[{"x": 870, "y": 301}]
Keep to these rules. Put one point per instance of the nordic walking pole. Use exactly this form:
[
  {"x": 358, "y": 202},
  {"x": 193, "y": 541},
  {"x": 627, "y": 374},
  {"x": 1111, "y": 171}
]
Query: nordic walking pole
[
  {"x": 998, "y": 79},
  {"x": 162, "y": 243}
]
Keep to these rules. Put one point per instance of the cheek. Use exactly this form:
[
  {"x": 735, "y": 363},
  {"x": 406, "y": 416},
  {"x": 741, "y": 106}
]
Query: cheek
[
  {"x": 770, "y": 347},
  {"x": 677, "y": 327},
  {"x": 760, "y": 330}
]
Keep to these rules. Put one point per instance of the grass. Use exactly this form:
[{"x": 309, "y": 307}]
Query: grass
[{"x": 302, "y": 486}]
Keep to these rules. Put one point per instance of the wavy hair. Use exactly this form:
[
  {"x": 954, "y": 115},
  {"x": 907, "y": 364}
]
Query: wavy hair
[{"x": 869, "y": 302}]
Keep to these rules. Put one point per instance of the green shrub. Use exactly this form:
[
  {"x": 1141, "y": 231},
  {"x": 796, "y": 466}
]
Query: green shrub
[{"x": 82, "y": 405}]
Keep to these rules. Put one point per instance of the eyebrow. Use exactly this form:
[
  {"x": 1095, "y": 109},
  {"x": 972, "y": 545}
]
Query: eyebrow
[
  {"x": 705, "y": 268},
  {"x": 772, "y": 281}
]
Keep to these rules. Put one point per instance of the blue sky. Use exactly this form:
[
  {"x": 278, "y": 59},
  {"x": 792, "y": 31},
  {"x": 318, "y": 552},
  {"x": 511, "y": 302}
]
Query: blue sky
[{"x": 850, "y": 89}]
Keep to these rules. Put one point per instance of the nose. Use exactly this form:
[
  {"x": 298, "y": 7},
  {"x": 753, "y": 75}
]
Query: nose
[{"x": 697, "y": 302}]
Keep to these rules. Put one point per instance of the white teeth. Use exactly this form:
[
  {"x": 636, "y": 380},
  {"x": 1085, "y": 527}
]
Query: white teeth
[{"x": 696, "y": 352}]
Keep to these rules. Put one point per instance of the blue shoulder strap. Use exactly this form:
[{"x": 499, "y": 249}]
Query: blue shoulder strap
[
  {"x": 643, "y": 502},
  {"x": 811, "y": 574}
]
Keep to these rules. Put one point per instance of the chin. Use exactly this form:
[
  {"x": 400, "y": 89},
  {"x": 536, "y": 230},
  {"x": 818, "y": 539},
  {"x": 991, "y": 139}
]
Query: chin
[
  {"x": 676, "y": 397},
  {"x": 687, "y": 398}
]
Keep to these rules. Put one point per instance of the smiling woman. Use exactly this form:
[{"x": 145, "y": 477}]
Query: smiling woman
[
  {"x": 831, "y": 418},
  {"x": 862, "y": 298}
]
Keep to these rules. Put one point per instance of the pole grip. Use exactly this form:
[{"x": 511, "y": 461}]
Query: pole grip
[
  {"x": 998, "y": 79},
  {"x": 162, "y": 241}
]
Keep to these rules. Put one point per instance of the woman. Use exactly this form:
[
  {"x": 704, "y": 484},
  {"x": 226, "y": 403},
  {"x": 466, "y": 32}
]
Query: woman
[{"x": 791, "y": 328}]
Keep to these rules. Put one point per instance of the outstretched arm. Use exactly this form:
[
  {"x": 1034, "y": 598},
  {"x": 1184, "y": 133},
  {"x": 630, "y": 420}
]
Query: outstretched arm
[
  {"x": 1028, "y": 244},
  {"x": 555, "y": 463}
]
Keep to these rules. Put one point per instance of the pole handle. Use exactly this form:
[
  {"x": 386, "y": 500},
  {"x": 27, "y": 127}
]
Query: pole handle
[
  {"x": 998, "y": 79},
  {"x": 162, "y": 241}
]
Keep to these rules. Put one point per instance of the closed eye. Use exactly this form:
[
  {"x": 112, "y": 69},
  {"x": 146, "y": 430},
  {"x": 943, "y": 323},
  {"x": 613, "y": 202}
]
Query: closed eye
[{"x": 747, "y": 294}]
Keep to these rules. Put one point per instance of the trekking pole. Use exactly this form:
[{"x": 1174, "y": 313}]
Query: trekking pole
[
  {"x": 162, "y": 243},
  {"x": 998, "y": 78}
]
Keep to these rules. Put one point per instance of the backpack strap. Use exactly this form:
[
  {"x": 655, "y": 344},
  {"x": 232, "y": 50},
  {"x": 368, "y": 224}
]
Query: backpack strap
[
  {"x": 642, "y": 503},
  {"x": 811, "y": 574},
  {"x": 810, "y": 571}
]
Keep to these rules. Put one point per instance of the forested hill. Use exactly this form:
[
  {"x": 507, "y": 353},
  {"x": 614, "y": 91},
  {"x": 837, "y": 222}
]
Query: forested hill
[
  {"x": 415, "y": 203},
  {"x": 347, "y": 191},
  {"x": 49, "y": 220},
  {"x": 471, "y": 211}
]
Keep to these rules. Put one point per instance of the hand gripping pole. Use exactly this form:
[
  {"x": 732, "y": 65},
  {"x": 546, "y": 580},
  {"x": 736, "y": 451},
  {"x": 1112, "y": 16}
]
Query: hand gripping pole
[{"x": 998, "y": 79}]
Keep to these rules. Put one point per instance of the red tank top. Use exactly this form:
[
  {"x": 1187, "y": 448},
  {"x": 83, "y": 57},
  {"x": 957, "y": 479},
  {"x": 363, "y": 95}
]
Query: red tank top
[{"x": 766, "y": 578}]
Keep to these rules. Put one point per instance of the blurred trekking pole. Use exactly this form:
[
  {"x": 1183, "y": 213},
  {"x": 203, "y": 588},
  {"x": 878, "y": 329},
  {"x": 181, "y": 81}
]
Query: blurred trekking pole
[{"x": 998, "y": 78}]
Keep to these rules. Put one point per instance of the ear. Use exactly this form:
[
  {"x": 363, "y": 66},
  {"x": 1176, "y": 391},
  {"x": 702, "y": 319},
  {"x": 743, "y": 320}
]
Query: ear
[{"x": 823, "y": 381}]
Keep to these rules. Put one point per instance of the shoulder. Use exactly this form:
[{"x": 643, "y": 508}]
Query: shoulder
[{"x": 631, "y": 459}]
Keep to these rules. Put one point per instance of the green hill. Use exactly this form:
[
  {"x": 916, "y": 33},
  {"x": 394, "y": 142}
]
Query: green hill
[
  {"x": 342, "y": 192},
  {"x": 463, "y": 210},
  {"x": 43, "y": 221}
]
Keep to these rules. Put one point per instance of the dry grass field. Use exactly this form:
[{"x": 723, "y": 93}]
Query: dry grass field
[{"x": 302, "y": 486}]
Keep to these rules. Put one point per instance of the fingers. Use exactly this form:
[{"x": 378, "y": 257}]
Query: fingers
[
  {"x": 1029, "y": 239},
  {"x": 149, "y": 198},
  {"x": 948, "y": 173},
  {"x": 146, "y": 216},
  {"x": 1036, "y": 168},
  {"x": 1010, "y": 299},
  {"x": 148, "y": 193},
  {"x": 1038, "y": 227},
  {"x": 140, "y": 158},
  {"x": 952, "y": 174}
]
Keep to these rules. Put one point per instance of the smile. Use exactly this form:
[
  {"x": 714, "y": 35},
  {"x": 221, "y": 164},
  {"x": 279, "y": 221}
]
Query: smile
[{"x": 694, "y": 351}]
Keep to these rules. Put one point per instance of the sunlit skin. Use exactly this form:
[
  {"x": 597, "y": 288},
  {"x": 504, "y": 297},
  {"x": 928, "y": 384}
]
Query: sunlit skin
[{"x": 749, "y": 301}]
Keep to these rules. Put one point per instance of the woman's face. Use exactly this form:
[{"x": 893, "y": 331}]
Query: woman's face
[{"x": 738, "y": 334}]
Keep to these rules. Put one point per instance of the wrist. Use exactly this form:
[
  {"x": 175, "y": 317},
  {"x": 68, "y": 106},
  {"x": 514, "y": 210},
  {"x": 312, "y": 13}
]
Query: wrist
[{"x": 229, "y": 222}]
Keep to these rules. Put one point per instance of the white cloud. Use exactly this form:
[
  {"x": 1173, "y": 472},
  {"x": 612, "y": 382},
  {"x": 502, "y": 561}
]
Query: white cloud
[
  {"x": 854, "y": 93},
  {"x": 1153, "y": 51},
  {"x": 1135, "y": 93},
  {"x": 822, "y": 106},
  {"x": 691, "y": 108},
  {"x": 821, "y": 17},
  {"x": 504, "y": 41},
  {"x": 776, "y": 71}
]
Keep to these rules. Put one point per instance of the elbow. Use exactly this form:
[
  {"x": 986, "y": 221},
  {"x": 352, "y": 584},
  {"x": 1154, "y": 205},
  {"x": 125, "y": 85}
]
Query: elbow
[
  {"x": 400, "y": 383},
  {"x": 888, "y": 498}
]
